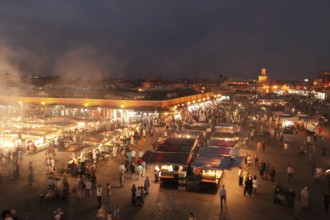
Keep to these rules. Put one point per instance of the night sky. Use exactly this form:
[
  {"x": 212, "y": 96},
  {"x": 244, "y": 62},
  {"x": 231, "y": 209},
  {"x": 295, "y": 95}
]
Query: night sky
[{"x": 169, "y": 39}]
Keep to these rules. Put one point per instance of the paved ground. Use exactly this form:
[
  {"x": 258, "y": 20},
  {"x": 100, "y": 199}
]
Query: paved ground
[{"x": 167, "y": 204}]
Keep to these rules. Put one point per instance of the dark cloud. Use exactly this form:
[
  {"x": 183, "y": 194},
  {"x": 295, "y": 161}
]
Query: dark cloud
[{"x": 173, "y": 38}]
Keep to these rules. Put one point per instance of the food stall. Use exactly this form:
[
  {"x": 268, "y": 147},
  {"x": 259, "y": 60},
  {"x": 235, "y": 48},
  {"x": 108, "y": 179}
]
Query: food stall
[
  {"x": 170, "y": 163},
  {"x": 38, "y": 138},
  {"x": 311, "y": 127},
  {"x": 81, "y": 157},
  {"x": 207, "y": 167},
  {"x": 287, "y": 123},
  {"x": 206, "y": 170}
]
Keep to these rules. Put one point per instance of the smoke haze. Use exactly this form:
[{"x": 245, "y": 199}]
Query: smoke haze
[{"x": 171, "y": 39}]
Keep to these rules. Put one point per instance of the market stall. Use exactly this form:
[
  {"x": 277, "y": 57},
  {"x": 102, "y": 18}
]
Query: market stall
[
  {"x": 288, "y": 124},
  {"x": 179, "y": 145},
  {"x": 170, "y": 164},
  {"x": 206, "y": 170},
  {"x": 216, "y": 151}
]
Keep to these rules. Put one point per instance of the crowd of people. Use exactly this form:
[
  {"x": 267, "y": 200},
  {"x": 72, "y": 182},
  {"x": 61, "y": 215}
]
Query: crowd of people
[{"x": 132, "y": 168}]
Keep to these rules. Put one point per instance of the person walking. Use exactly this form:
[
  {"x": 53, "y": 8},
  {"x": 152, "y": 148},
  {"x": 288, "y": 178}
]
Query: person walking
[
  {"x": 249, "y": 160},
  {"x": 80, "y": 186},
  {"x": 133, "y": 153},
  {"x": 138, "y": 196},
  {"x": 133, "y": 192},
  {"x": 192, "y": 216},
  {"x": 147, "y": 185},
  {"x": 17, "y": 174},
  {"x": 156, "y": 173},
  {"x": 308, "y": 140},
  {"x": 99, "y": 195},
  {"x": 256, "y": 160},
  {"x": 101, "y": 213},
  {"x": 272, "y": 174},
  {"x": 58, "y": 214},
  {"x": 259, "y": 145},
  {"x": 285, "y": 147},
  {"x": 132, "y": 169},
  {"x": 266, "y": 172},
  {"x": 121, "y": 174},
  {"x": 109, "y": 216},
  {"x": 114, "y": 151},
  {"x": 107, "y": 194},
  {"x": 223, "y": 196},
  {"x": 304, "y": 196},
  {"x": 116, "y": 213},
  {"x": 290, "y": 172},
  {"x": 88, "y": 187},
  {"x": 245, "y": 175},
  {"x": 255, "y": 184},
  {"x": 144, "y": 166},
  {"x": 248, "y": 188},
  {"x": 139, "y": 170},
  {"x": 240, "y": 176}
]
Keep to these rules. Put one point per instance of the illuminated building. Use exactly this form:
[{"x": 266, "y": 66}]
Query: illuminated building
[{"x": 263, "y": 82}]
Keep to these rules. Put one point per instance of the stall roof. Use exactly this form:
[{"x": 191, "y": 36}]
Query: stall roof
[
  {"x": 224, "y": 135},
  {"x": 293, "y": 119},
  {"x": 229, "y": 162},
  {"x": 226, "y": 125},
  {"x": 214, "y": 151},
  {"x": 226, "y": 130},
  {"x": 180, "y": 141},
  {"x": 187, "y": 134},
  {"x": 192, "y": 132},
  {"x": 222, "y": 143},
  {"x": 206, "y": 163},
  {"x": 195, "y": 127},
  {"x": 175, "y": 148},
  {"x": 165, "y": 158},
  {"x": 202, "y": 124}
]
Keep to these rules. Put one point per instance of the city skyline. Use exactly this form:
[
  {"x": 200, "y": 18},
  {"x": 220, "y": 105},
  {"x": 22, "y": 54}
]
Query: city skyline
[{"x": 170, "y": 39}]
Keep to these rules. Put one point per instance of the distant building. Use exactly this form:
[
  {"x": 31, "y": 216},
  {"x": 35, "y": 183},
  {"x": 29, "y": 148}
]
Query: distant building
[
  {"x": 263, "y": 82},
  {"x": 239, "y": 84},
  {"x": 263, "y": 78},
  {"x": 324, "y": 77}
]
